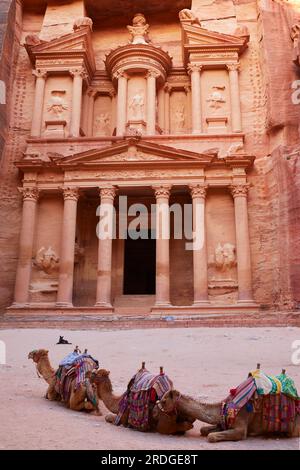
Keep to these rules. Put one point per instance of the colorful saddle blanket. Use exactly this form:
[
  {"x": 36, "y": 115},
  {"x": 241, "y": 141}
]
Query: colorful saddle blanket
[
  {"x": 142, "y": 392},
  {"x": 75, "y": 366},
  {"x": 280, "y": 401}
]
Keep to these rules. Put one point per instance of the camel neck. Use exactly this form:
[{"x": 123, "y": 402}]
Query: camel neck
[
  {"x": 44, "y": 368},
  {"x": 206, "y": 412},
  {"x": 110, "y": 400}
]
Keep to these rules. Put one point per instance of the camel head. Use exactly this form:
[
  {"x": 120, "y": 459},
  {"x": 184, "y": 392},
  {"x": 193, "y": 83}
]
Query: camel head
[
  {"x": 101, "y": 379},
  {"x": 37, "y": 354},
  {"x": 168, "y": 403}
]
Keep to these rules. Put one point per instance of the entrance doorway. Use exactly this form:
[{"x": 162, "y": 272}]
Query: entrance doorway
[{"x": 140, "y": 266}]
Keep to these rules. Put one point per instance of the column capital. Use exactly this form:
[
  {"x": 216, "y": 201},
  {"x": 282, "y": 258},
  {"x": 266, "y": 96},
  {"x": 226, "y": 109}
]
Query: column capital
[
  {"x": 235, "y": 66},
  {"x": 162, "y": 190},
  {"x": 194, "y": 68},
  {"x": 108, "y": 193},
  {"x": 40, "y": 73},
  {"x": 78, "y": 72},
  {"x": 153, "y": 74},
  {"x": 112, "y": 93},
  {"x": 120, "y": 74},
  {"x": 92, "y": 92},
  {"x": 71, "y": 194},
  {"x": 30, "y": 194},
  {"x": 187, "y": 89},
  {"x": 198, "y": 190},
  {"x": 239, "y": 190}
]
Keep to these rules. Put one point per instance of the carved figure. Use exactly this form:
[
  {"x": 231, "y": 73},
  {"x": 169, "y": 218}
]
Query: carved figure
[
  {"x": 139, "y": 30},
  {"x": 103, "y": 124},
  {"x": 216, "y": 98},
  {"x": 187, "y": 14},
  {"x": 225, "y": 256},
  {"x": 57, "y": 104},
  {"x": 46, "y": 260},
  {"x": 137, "y": 105},
  {"x": 180, "y": 118}
]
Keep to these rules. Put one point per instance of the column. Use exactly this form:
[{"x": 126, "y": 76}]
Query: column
[
  {"x": 151, "y": 101},
  {"x": 233, "y": 70},
  {"x": 161, "y": 108},
  {"x": 90, "y": 119},
  {"x": 198, "y": 193},
  {"x": 121, "y": 103},
  {"x": 195, "y": 72},
  {"x": 188, "y": 91},
  {"x": 30, "y": 198},
  {"x": 77, "y": 75},
  {"x": 36, "y": 123},
  {"x": 168, "y": 90},
  {"x": 162, "y": 194},
  {"x": 239, "y": 193},
  {"x": 67, "y": 250},
  {"x": 105, "y": 234}
]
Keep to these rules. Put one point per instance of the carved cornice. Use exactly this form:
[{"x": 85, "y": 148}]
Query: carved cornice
[
  {"x": 108, "y": 193},
  {"x": 162, "y": 191},
  {"x": 239, "y": 190},
  {"x": 30, "y": 194},
  {"x": 71, "y": 194},
  {"x": 198, "y": 190}
]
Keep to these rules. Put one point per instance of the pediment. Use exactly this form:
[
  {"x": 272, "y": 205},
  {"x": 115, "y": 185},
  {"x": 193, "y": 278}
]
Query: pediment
[
  {"x": 78, "y": 42},
  {"x": 131, "y": 152}
]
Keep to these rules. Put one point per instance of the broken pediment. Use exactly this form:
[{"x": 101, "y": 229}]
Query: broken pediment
[
  {"x": 199, "y": 41},
  {"x": 77, "y": 45}
]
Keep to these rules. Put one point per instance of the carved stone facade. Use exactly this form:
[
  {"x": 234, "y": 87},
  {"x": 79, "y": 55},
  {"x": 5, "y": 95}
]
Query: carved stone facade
[{"x": 158, "y": 113}]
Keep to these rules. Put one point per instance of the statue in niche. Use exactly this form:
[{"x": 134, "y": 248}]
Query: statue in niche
[
  {"x": 179, "y": 120},
  {"x": 216, "y": 98},
  {"x": 57, "y": 104},
  {"x": 139, "y": 30},
  {"x": 188, "y": 15},
  {"x": 103, "y": 122},
  {"x": 225, "y": 258},
  {"x": 137, "y": 105},
  {"x": 46, "y": 260}
]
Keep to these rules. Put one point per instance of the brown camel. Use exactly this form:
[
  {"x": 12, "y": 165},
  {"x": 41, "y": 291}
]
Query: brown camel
[
  {"x": 78, "y": 399},
  {"x": 160, "y": 421},
  {"x": 245, "y": 424}
]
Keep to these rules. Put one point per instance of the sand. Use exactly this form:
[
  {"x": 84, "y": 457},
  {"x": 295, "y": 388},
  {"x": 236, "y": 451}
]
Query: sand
[{"x": 203, "y": 362}]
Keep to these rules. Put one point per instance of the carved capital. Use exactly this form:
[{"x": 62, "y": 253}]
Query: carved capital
[
  {"x": 30, "y": 194},
  {"x": 40, "y": 73},
  {"x": 233, "y": 67},
  {"x": 239, "y": 190},
  {"x": 194, "y": 68},
  {"x": 198, "y": 190},
  {"x": 162, "y": 191},
  {"x": 168, "y": 88},
  {"x": 71, "y": 194},
  {"x": 108, "y": 193},
  {"x": 78, "y": 72},
  {"x": 295, "y": 32},
  {"x": 153, "y": 74},
  {"x": 187, "y": 89},
  {"x": 120, "y": 74}
]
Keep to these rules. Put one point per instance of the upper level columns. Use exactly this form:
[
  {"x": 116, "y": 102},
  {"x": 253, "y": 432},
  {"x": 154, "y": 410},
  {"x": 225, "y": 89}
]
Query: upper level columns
[
  {"x": 36, "y": 123},
  {"x": 239, "y": 193},
  {"x": 122, "y": 103},
  {"x": 167, "y": 89},
  {"x": 195, "y": 72},
  {"x": 67, "y": 251},
  {"x": 30, "y": 198},
  {"x": 151, "y": 101},
  {"x": 233, "y": 70},
  {"x": 77, "y": 75}
]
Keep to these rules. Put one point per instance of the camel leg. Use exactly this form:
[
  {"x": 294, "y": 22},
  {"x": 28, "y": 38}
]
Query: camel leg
[
  {"x": 184, "y": 426},
  {"x": 206, "y": 430},
  {"x": 111, "y": 418},
  {"x": 237, "y": 434}
]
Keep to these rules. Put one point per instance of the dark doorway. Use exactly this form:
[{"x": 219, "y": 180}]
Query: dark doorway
[{"x": 139, "y": 266}]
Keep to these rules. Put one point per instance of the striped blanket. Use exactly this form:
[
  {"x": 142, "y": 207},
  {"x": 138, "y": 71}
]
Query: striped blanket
[
  {"x": 77, "y": 370},
  {"x": 138, "y": 401},
  {"x": 280, "y": 401}
]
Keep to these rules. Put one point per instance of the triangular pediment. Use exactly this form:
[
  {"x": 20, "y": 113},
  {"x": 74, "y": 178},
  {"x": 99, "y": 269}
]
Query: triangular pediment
[
  {"x": 131, "y": 152},
  {"x": 78, "y": 42}
]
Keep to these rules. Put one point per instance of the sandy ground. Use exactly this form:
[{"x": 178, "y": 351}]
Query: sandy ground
[{"x": 202, "y": 362}]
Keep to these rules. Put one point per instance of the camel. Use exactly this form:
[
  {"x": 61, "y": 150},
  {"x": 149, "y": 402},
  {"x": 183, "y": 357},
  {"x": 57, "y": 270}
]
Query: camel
[
  {"x": 78, "y": 399},
  {"x": 160, "y": 421},
  {"x": 245, "y": 424}
]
